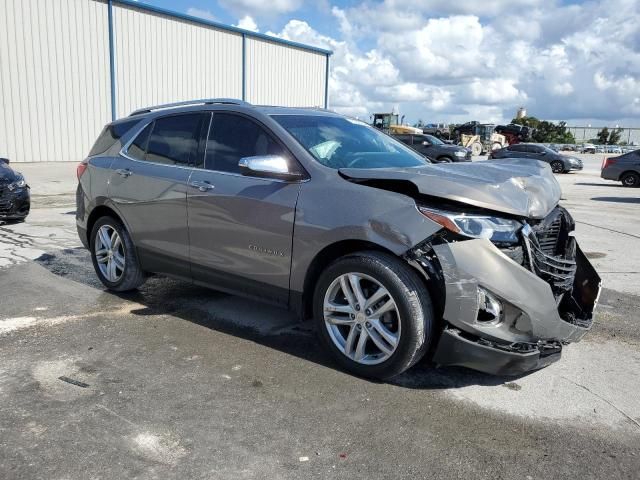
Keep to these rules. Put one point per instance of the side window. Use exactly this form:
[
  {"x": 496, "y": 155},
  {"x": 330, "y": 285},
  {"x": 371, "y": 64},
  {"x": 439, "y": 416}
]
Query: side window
[
  {"x": 173, "y": 140},
  {"x": 139, "y": 146},
  {"x": 233, "y": 137},
  {"x": 406, "y": 139},
  {"x": 517, "y": 148}
]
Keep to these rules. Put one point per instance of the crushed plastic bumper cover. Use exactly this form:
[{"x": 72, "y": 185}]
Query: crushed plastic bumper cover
[{"x": 534, "y": 322}]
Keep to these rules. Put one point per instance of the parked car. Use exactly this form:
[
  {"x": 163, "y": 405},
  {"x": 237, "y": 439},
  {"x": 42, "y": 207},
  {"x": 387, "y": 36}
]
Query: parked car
[
  {"x": 613, "y": 149},
  {"x": 437, "y": 129},
  {"x": 588, "y": 148},
  {"x": 15, "y": 197},
  {"x": 625, "y": 169},
  {"x": 534, "y": 151},
  {"x": 435, "y": 149},
  {"x": 392, "y": 256}
]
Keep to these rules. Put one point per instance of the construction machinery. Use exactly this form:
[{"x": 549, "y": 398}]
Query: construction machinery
[
  {"x": 480, "y": 138},
  {"x": 384, "y": 121}
]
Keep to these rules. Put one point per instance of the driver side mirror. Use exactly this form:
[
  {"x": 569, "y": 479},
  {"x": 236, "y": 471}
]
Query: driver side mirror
[
  {"x": 425, "y": 144},
  {"x": 268, "y": 166}
]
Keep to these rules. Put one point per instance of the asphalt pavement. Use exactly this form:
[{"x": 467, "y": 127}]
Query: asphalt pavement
[{"x": 177, "y": 381}]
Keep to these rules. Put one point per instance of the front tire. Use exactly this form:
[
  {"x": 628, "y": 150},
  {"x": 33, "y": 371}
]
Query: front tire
[
  {"x": 630, "y": 180},
  {"x": 114, "y": 256},
  {"x": 445, "y": 160},
  {"x": 557, "y": 166},
  {"x": 374, "y": 314}
]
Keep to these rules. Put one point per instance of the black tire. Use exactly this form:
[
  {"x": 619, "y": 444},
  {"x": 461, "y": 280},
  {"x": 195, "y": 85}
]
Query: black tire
[
  {"x": 412, "y": 300},
  {"x": 445, "y": 160},
  {"x": 132, "y": 276},
  {"x": 630, "y": 180},
  {"x": 557, "y": 166}
]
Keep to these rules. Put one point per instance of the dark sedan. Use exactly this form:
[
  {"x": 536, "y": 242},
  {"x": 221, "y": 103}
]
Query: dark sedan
[
  {"x": 559, "y": 163},
  {"x": 435, "y": 149},
  {"x": 15, "y": 200},
  {"x": 625, "y": 169}
]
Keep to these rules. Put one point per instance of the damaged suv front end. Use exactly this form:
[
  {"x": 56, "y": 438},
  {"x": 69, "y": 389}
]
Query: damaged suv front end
[
  {"x": 511, "y": 306},
  {"x": 514, "y": 285}
]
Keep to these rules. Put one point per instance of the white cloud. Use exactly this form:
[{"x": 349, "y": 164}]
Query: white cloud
[
  {"x": 260, "y": 7},
  {"x": 469, "y": 60},
  {"x": 206, "y": 14},
  {"x": 248, "y": 23}
]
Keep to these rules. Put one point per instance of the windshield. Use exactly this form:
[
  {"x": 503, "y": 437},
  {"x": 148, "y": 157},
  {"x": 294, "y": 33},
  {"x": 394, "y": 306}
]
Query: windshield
[
  {"x": 340, "y": 142},
  {"x": 434, "y": 140}
]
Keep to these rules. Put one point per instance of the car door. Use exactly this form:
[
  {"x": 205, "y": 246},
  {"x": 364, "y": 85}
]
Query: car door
[
  {"x": 538, "y": 153},
  {"x": 149, "y": 189},
  {"x": 241, "y": 227}
]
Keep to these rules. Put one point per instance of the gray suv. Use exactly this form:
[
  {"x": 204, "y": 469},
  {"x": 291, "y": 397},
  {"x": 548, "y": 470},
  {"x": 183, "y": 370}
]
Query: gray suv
[{"x": 472, "y": 264}]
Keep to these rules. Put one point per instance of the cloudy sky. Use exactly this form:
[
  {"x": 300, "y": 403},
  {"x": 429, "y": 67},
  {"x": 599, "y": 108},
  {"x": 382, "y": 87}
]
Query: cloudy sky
[{"x": 460, "y": 60}]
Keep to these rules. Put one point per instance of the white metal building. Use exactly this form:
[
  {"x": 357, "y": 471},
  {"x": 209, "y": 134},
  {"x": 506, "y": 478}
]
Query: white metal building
[{"x": 67, "y": 67}]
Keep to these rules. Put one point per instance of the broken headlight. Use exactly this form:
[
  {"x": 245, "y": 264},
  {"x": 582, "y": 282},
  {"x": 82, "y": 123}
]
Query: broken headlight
[
  {"x": 492, "y": 228},
  {"x": 19, "y": 183}
]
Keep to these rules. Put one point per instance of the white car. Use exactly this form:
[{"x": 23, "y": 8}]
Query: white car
[{"x": 588, "y": 148}]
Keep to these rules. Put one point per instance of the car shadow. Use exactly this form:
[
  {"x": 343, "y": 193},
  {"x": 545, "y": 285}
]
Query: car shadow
[
  {"x": 266, "y": 325},
  {"x": 616, "y": 199},
  {"x": 593, "y": 184}
]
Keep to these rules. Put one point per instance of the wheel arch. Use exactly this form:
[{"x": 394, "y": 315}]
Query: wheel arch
[
  {"x": 304, "y": 304},
  {"x": 98, "y": 212},
  {"x": 330, "y": 253},
  {"x": 627, "y": 172}
]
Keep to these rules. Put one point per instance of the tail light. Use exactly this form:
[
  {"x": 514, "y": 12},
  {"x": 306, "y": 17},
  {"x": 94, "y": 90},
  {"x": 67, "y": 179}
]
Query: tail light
[
  {"x": 607, "y": 162},
  {"x": 81, "y": 168}
]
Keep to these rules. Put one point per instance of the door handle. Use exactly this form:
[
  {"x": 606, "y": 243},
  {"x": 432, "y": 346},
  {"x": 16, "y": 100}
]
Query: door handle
[
  {"x": 124, "y": 172},
  {"x": 202, "y": 186}
]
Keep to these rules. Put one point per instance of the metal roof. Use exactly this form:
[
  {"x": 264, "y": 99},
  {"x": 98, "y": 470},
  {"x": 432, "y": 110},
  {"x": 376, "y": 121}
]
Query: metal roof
[{"x": 221, "y": 26}]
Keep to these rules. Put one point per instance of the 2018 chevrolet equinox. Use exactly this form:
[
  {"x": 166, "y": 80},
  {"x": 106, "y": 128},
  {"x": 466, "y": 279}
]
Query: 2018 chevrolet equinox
[{"x": 474, "y": 264}]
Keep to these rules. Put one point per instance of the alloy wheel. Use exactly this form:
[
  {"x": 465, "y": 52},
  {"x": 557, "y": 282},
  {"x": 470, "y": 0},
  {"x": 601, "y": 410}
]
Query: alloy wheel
[
  {"x": 557, "y": 167},
  {"x": 362, "y": 318},
  {"x": 109, "y": 251}
]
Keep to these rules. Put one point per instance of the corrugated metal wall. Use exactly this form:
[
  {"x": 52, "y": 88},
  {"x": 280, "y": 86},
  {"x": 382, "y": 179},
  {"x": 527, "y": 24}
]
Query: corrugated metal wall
[
  {"x": 283, "y": 75},
  {"x": 54, "y": 78},
  {"x": 55, "y": 74},
  {"x": 160, "y": 59}
]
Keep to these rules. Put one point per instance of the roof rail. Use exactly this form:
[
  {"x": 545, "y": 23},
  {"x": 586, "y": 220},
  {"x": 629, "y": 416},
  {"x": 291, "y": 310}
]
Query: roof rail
[{"x": 204, "y": 101}]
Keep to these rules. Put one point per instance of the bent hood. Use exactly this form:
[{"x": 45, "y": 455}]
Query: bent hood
[{"x": 515, "y": 186}]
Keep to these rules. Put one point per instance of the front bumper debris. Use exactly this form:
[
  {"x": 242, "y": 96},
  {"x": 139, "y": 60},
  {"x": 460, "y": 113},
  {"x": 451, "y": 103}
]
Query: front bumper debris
[
  {"x": 534, "y": 322},
  {"x": 454, "y": 348},
  {"x": 14, "y": 204}
]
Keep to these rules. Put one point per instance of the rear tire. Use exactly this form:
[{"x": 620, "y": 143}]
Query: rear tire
[
  {"x": 396, "y": 319},
  {"x": 114, "y": 256},
  {"x": 476, "y": 149},
  {"x": 557, "y": 166},
  {"x": 630, "y": 180}
]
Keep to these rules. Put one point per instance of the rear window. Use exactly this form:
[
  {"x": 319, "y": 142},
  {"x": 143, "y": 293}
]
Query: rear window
[{"x": 110, "y": 135}]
